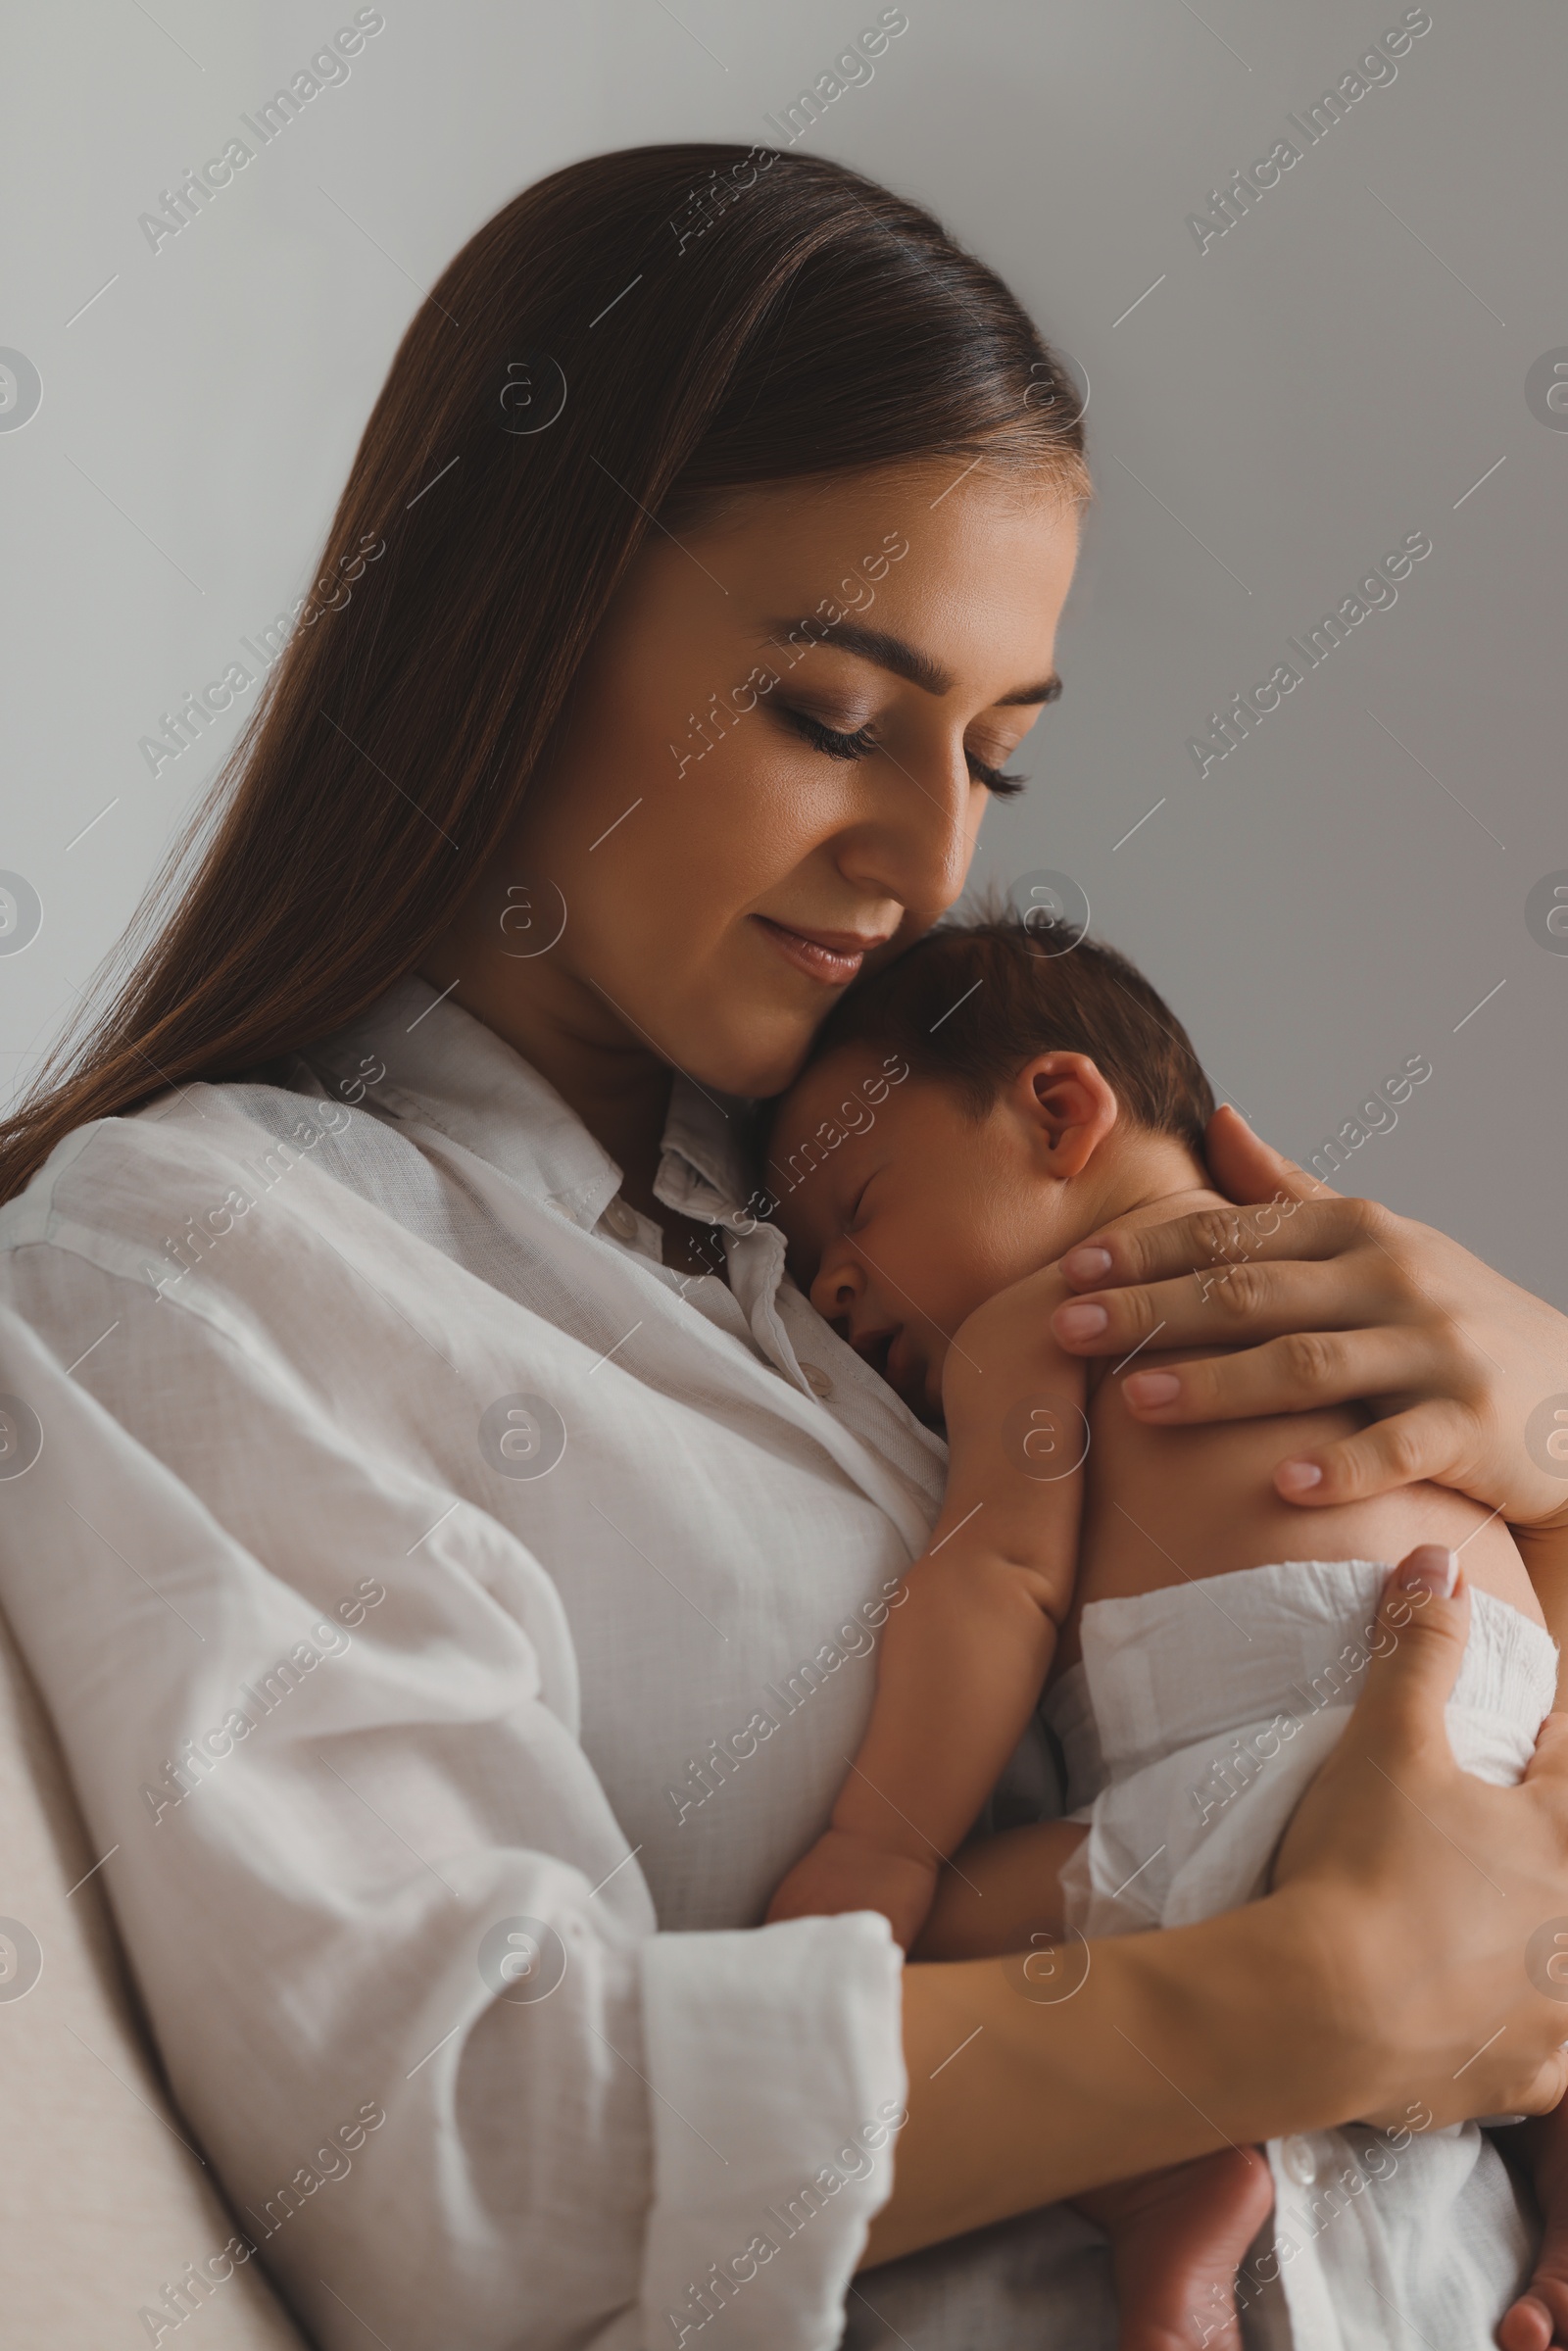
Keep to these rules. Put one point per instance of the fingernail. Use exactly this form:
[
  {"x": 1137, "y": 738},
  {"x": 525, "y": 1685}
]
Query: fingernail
[
  {"x": 1085, "y": 1264},
  {"x": 1079, "y": 1322},
  {"x": 1151, "y": 1388},
  {"x": 1430, "y": 1568},
  {"x": 1298, "y": 1477}
]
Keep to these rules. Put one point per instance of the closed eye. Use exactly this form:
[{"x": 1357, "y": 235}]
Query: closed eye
[
  {"x": 836, "y": 745},
  {"x": 828, "y": 739},
  {"x": 1005, "y": 782}
]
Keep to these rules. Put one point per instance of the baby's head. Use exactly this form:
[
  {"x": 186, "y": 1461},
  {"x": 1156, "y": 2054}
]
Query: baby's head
[{"x": 966, "y": 1115}]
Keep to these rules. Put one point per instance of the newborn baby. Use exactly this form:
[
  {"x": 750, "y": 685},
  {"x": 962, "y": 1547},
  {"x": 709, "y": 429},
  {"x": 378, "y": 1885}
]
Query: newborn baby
[{"x": 1196, "y": 1670}]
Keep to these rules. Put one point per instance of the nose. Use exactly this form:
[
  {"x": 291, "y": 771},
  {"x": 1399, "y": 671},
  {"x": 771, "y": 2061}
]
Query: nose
[
  {"x": 916, "y": 846},
  {"x": 839, "y": 1284}
]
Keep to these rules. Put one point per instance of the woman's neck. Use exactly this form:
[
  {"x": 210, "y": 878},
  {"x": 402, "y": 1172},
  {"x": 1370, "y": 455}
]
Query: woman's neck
[{"x": 579, "y": 1042}]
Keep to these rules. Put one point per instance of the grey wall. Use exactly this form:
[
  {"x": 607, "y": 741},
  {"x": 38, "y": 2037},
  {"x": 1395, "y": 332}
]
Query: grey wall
[{"x": 1348, "y": 364}]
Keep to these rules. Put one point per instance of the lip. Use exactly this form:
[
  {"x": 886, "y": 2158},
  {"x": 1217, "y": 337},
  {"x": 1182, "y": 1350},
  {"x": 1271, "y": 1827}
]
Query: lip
[
  {"x": 831, "y": 957},
  {"x": 875, "y": 1347}
]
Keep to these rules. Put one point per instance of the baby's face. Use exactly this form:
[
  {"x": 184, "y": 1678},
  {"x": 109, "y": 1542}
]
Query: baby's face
[{"x": 903, "y": 1212}]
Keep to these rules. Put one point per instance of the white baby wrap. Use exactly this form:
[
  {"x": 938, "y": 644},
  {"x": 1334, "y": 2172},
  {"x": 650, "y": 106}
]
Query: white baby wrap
[{"x": 1190, "y": 1730}]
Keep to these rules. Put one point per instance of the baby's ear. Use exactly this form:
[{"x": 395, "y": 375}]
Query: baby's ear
[{"x": 1071, "y": 1108}]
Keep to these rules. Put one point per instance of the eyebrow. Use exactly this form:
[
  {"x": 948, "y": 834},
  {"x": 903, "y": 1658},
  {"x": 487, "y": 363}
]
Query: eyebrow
[{"x": 903, "y": 660}]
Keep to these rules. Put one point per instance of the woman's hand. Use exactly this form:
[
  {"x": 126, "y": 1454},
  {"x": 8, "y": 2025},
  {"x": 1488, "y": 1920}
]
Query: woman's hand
[
  {"x": 1440, "y": 1862},
  {"x": 1330, "y": 1300},
  {"x": 1390, "y": 1968}
]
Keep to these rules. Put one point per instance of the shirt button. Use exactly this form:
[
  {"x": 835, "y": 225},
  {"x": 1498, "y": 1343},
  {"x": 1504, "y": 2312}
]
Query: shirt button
[
  {"x": 622, "y": 1220},
  {"x": 1299, "y": 2160},
  {"x": 818, "y": 1379}
]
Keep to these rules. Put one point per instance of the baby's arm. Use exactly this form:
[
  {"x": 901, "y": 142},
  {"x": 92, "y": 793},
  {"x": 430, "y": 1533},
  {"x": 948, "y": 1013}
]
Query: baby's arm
[
  {"x": 963, "y": 1657},
  {"x": 967, "y": 1646}
]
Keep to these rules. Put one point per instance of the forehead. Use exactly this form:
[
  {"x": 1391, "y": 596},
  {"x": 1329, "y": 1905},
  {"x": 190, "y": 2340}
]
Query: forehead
[
  {"x": 847, "y": 1085},
  {"x": 850, "y": 1102},
  {"x": 989, "y": 560}
]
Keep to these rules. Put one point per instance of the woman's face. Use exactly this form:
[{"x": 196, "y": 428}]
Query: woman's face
[{"x": 736, "y": 818}]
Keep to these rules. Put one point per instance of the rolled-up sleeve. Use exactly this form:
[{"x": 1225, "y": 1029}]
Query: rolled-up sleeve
[
  {"x": 405, "y": 1974},
  {"x": 778, "y": 2077}
]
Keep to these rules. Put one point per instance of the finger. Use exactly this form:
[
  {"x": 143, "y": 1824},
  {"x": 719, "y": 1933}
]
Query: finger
[
  {"x": 1527, "y": 2325},
  {"x": 1540, "y": 2317},
  {"x": 1425, "y": 1610},
  {"x": 1438, "y": 1440},
  {"x": 1217, "y": 1238},
  {"x": 1305, "y": 1371},
  {"x": 1247, "y": 1168},
  {"x": 1233, "y": 1306}
]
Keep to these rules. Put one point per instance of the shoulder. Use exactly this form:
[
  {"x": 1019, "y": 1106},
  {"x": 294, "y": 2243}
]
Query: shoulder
[{"x": 138, "y": 1194}]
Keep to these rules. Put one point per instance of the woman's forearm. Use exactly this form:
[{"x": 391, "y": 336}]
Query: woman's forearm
[{"x": 1174, "y": 2043}]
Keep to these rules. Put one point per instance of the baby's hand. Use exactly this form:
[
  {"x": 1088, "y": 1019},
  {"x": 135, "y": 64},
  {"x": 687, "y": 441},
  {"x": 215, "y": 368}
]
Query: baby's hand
[{"x": 845, "y": 1871}]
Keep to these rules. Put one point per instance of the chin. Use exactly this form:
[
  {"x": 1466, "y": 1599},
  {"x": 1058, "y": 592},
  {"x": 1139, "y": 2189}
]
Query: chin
[{"x": 757, "y": 1059}]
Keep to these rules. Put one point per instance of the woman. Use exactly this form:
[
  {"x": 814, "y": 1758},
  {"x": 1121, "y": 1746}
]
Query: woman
[{"x": 464, "y": 1549}]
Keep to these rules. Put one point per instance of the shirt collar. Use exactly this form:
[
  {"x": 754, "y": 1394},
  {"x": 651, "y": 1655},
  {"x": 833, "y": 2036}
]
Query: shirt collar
[{"x": 414, "y": 1056}]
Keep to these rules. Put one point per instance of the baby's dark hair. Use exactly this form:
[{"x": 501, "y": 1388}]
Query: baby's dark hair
[{"x": 969, "y": 1004}]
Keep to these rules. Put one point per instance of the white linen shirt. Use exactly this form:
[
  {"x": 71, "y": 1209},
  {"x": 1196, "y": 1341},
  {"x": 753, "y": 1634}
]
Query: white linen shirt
[{"x": 457, "y": 1621}]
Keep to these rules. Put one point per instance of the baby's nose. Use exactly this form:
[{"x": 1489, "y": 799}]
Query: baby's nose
[{"x": 838, "y": 1285}]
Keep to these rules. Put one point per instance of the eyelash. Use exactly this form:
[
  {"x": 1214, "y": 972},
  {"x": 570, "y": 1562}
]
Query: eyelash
[{"x": 1003, "y": 783}]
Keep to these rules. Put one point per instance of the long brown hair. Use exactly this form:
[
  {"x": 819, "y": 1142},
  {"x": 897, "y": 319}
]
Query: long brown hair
[{"x": 710, "y": 316}]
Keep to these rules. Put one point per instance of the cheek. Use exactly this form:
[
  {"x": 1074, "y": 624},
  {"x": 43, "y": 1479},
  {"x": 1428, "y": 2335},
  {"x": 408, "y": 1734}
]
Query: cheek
[
  {"x": 974, "y": 1248},
  {"x": 744, "y": 827},
  {"x": 709, "y": 843},
  {"x": 759, "y": 809},
  {"x": 925, "y": 1264}
]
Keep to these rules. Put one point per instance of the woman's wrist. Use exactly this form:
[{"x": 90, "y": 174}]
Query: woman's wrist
[
  {"x": 1254, "y": 2016},
  {"x": 1029, "y": 2083}
]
